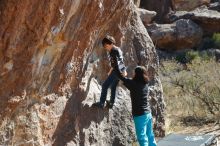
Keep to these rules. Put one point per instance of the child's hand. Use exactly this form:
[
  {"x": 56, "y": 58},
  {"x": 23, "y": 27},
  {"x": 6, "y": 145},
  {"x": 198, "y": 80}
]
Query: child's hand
[
  {"x": 124, "y": 74},
  {"x": 110, "y": 71}
]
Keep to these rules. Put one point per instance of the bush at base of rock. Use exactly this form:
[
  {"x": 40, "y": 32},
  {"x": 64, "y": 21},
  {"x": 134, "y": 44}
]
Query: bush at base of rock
[{"x": 216, "y": 39}]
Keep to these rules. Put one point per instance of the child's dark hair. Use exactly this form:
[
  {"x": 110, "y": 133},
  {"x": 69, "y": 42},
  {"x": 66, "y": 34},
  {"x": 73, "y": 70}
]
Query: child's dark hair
[
  {"x": 141, "y": 75},
  {"x": 108, "y": 40}
]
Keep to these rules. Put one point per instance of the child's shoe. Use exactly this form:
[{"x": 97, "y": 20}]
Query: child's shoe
[
  {"x": 109, "y": 104},
  {"x": 98, "y": 104}
]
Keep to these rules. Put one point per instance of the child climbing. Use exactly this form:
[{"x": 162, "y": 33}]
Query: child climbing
[
  {"x": 141, "y": 109},
  {"x": 117, "y": 67}
]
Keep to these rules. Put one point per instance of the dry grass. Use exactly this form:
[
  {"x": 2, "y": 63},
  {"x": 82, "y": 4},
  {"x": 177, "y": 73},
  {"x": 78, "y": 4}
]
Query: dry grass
[{"x": 192, "y": 93}]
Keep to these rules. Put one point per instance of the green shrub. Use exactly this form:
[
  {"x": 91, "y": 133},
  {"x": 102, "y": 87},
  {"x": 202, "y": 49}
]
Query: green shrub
[
  {"x": 181, "y": 58},
  {"x": 191, "y": 55},
  {"x": 206, "y": 56},
  {"x": 187, "y": 57},
  {"x": 216, "y": 39}
]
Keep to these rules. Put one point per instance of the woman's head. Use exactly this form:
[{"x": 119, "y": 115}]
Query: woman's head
[{"x": 141, "y": 74}]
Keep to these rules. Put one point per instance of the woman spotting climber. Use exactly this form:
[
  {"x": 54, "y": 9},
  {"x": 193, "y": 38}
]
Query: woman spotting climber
[{"x": 141, "y": 109}]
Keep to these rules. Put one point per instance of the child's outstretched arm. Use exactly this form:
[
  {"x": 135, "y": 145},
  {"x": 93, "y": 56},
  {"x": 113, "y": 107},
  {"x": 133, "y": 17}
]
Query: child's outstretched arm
[
  {"x": 110, "y": 71},
  {"x": 126, "y": 81}
]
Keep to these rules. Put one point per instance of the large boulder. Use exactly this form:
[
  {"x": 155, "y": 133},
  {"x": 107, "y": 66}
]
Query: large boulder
[
  {"x": 188, "y": 5},
  {"x": 208, "y": 20},
  {"x": 145, "y": 15},
  {"x": 180, "y": 35},
  {"x": 52, "y": 66}
]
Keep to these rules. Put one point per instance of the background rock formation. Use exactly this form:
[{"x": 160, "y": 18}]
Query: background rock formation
[
  {"x": 145, "y": 15},
  {"x": 162, "y": 7},
  {"x": 52, "y": 65},
  {"x": 201, "y": 22},
  {"x": 179, "y": 35},
  {"x": 208, "y": 20},
  {"x": 187, "y": 5}
]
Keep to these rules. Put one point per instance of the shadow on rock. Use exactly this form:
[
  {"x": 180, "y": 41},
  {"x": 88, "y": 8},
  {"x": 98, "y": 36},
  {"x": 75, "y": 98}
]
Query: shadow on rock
[{"x": 75, "y": 118}]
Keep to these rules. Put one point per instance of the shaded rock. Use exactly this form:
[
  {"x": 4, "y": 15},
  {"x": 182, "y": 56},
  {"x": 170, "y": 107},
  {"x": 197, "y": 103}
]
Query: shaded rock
[
  {"x": 174, "y": 16},
  {"x": 214, "y": 6},
  {"x": 217, "y": 55},
  {"x": 52, "y": 65},
  {"x": 208, "y": 20},
  {"x": 206, "y": 43},
  {"x": 179, "y": 35},
  {"x": 213, "y": 1},
  {"x": 145, "y": 15},
  {"x": 161, "y": 7},
  {"x": 137, "y": 2},
  {"x": 214, "y": 52},
  {"x": 187, "y": 5}
]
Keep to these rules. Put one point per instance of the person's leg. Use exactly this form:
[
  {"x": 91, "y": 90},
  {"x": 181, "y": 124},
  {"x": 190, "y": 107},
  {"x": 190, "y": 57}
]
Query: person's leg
[
  {"x": 111, "y": 102},
  {"x": 150, "y": 133},
  {"x": 113, "y": 90},
  {"x": 105, "y": 87},
  {"x": 141, "y": 127}
]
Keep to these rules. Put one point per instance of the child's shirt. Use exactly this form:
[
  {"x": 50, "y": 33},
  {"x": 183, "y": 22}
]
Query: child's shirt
[{"x": 116, "y": 59}]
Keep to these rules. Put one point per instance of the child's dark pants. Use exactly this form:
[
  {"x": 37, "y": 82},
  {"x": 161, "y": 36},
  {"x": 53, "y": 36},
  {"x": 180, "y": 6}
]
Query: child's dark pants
[{"x": 111, "y": 81}]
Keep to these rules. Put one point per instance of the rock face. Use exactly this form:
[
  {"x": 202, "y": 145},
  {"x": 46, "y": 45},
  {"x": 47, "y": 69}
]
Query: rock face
[
  {"x": 52, "y": 65},
  {"x": 179, "y": 35},
  {"x": 188, "y": 5},
  {"x": 208, "y": 20}
]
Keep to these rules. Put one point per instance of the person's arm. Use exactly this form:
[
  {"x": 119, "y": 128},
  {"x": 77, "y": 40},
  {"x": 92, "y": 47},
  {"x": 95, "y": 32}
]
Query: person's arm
[
  {"x": 126, "y": 81},
  {"x": 122, "y": 76},
  {"x": 114, "y": 56},
  {"x": 110, "y": 71},
  {"x": 117, "y": 58}
]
